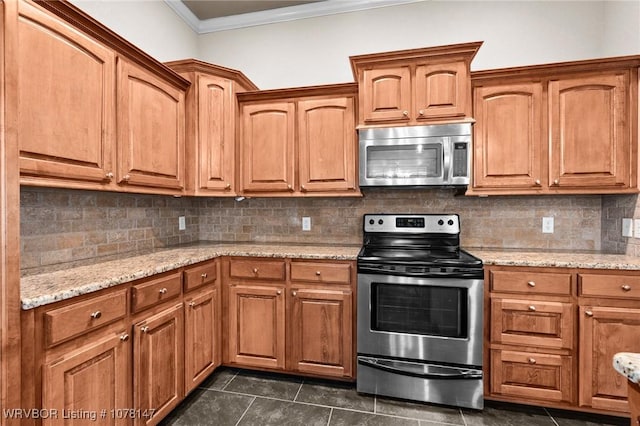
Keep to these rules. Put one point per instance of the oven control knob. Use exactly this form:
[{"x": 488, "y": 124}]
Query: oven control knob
[
  {"x": 441, "y": 222},
  {"x": 380, "y": 222},
  {"x": 450, "y": 222},
  {"x": 371, "y": 221}
]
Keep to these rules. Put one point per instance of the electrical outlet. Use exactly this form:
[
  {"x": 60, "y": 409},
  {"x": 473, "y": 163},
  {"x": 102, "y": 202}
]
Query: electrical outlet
[
  {"x": 306, "y": 223},
  {"x": 547, "y": 225},
  {"x": 636, "y": 228},
  {"x": 627, "y": 227},
  {"x": 182, "y": 223}
]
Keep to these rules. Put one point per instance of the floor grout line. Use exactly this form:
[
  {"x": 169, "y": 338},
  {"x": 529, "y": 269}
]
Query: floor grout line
[
  {"x": 550, "y": 416},
  {"x": 299, "y": 389},
  {"x": 245, "y": 411},
  {"x": 330, "y": 415}
]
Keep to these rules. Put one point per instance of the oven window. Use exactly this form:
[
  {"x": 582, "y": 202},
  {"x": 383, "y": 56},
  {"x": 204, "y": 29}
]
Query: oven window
[
  {"x": 404, "y": 161},
  {"x": 425, "y": 310}
]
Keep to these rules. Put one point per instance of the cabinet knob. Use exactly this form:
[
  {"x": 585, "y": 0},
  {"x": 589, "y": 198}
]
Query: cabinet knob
[
  {"x": 303, "y": 188},
  {"x": 192, "y": 304},
  {"x": 588, "y": 313},
  {"x": 532, "y": 360},
  {"x": 96, "y": 314},
  {"x": 228, "y": 186},
  {"x": 279, "y": 292},
  {"x": 144, "y": 329},
  {"x": 163, "y": 290},
  {"x": 532, "y": 308},
  {"x": 124, "y": 337},
  {"x": 294, "y": 293},
  {"x": 556, "y": 181},
  {"x": 204, "y": 275},
  {"x": 290, "y": 188},
  {"x": 531, "y": 283},
  {"x": 318, "y": 273},
  {"x": 405, "y": 113},
  {"x": 421, "y": 112},
  {"x": 109, "y": 175},
  {"x": 255, "y": 271},
  {"x": 126, "y": 178},
  {"x": 625, "y": 287},
  {"x": 537, "y": 182}
]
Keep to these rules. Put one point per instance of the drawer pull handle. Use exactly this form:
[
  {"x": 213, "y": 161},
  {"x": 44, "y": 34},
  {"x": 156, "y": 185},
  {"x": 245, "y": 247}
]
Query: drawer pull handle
[
  {"x": 255, "y": 271},
  {"x": 405, "y": 113},
  {"x": 421, "y": 112},
  {"x": 532, "y": 308},
  {"x": 626, "y": 287},
  {"x": 279, "y": 292},
  {"x": 532, "y": 360},
  {"x": 318, "y": 273},
  {"x": 294, "y": 293},
  {"x": 227, "y": 187},
  {"x": 204, "y": 275},
  {"x": 109, "y": 175},
  {"x": 124, "y": 337},
  {"x": 163, "y": 290},
  {"x": 588, "y": 313},
  {"x": 531, "y": 283},
  {"x": 192, "y": 304},
  {"x": 96, "y": 314},
  {"x": 144, "y": 329},
  {"x": 537, "y": 182}
]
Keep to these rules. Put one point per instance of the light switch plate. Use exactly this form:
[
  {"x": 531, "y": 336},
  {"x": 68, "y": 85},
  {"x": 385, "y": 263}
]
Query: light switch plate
[
  {"x": 627, "y": 227},
  {"x": 547, "y": 225},
  {"x": 182, "y": 224},
  {"x": 636, "y": 228},
  {"x": 306, "y": 223}
]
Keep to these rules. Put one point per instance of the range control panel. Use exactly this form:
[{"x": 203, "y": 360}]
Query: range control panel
[{"x": 412, "y": 223}]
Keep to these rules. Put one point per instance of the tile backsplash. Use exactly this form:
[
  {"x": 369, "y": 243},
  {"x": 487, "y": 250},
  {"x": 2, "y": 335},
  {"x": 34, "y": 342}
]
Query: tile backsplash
[{"x": 60, "y": 225}]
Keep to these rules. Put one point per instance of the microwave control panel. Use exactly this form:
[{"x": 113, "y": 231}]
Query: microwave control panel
[{"x": 460, "y": 159}]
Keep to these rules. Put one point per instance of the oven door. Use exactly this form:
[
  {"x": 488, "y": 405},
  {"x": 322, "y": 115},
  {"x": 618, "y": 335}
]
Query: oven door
[{"x": 437, "y": 320}]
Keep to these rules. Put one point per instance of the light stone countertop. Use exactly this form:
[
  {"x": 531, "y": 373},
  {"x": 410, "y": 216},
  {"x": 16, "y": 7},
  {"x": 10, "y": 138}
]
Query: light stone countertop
[
  {"x": 48, "y": 287},
  {"x": 628, "y": 364},
  {"x": 65, "y": 281}
]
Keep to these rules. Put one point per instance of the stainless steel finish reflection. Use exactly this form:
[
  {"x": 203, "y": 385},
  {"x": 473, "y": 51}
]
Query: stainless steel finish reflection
[{"x": 421, "y": 346}]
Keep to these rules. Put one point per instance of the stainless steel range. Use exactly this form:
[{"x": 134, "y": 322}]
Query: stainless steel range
[{"x": 420, "y": 301}]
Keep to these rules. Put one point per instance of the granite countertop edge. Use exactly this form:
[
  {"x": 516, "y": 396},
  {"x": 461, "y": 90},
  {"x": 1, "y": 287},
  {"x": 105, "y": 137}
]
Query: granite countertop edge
[
  {"x": 45, "y": 287},
  {"x": 628, "y": 364}
]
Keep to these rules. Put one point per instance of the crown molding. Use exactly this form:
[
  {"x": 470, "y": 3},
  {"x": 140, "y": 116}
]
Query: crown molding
[{"x": 291, "y": 13}]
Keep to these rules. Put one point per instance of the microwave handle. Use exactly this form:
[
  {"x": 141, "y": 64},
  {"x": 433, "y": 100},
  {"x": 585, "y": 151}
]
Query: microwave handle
[{"x": 446, "y": 160}]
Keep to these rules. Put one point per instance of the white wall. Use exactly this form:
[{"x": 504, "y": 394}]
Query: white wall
[
  {"x": 150, "y": 25},
  {"x": 316, "y": 50}
]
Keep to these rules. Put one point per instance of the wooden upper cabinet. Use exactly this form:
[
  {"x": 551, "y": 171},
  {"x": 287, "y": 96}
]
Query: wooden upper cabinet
[
  {"x": 66, "y": 102},
  {"x": 566, "y": 128},
  {"x": 151, "y": 119},
  {"x": 299, "y": 142},
  {"x": 211, "y": 126},
  {"x": 508, "y": 139},
  {"x": 588, "y": 126},
  {"x": 267, "y": 138},
  {"x": 413, "y": 87},
  {"x": 327, "y": 144}
]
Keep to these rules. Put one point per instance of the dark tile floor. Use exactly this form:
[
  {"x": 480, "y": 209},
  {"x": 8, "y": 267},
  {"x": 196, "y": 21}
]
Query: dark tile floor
[{"x": 240, "y": 397}]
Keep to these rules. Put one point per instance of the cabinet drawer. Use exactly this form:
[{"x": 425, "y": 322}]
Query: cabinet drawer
[
  {"x": 200, "y": 275},
  {"x": 623, "y": 286},
  {"x": 72, "y": 320},
  {"x": 258, "y": 269},
  {"x": 339, "y": 273},
  {"x": 532, "y": 323},
  {"x": 531, "y": 282},
  {"x": 155, "y": 291},
  {"x": 531, "y": 375}
]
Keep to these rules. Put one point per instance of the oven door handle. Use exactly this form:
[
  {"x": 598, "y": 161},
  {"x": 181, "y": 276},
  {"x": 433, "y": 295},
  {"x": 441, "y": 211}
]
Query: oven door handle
[{"x": 418, "y": 370}]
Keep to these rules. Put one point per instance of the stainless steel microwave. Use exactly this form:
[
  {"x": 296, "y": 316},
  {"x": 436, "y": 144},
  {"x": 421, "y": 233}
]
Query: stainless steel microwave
[{"x": 435, "y": 155}]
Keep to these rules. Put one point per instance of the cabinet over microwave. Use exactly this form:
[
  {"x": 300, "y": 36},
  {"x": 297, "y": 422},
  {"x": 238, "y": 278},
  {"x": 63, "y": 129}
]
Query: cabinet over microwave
[{"x": 435, "y": 155}]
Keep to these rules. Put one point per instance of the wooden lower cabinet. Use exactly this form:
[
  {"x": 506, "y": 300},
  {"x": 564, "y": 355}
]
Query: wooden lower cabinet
[
  {"x": 321, "y": 331},
  {"x": 201, "y": 337},
  {"x": 89, "y": 380},
  {"x": 158, "y": 369},
  {"x": 257, "y": 326},
  {"x": 532, "y": 375},
  {"x": 604, "y": 331}
]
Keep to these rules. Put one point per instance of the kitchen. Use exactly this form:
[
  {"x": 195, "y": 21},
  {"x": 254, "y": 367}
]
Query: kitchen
[{"x": 81, "y": 224}]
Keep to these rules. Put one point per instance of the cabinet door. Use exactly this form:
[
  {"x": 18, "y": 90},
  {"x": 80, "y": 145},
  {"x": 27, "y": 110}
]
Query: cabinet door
[
  {"x": 321, "y": 329},
  {"x": 215, "y": 134},
  {"x": 327, "y": 145},
  {"x": 590, "y": 144},
  {"x": 93, "y": 379},
  {"x": 386, "y": 94},
  {"x": 508, "y": 137},
  {"x": 66, "y": 101},
  {"x": 256, "y": 326},
  {"x": 151, "y": 131},
  {"x": 604, "y": 331},
  {"x": 267, "y": 138},
  {"x": 201, "y": 338},
  {"x": 442, "y": 91},
  {"x": 158, "y": 354}
]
